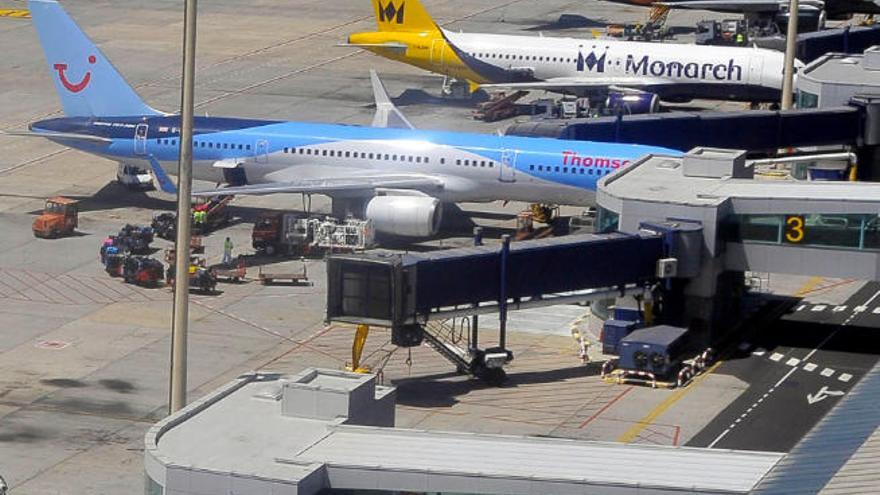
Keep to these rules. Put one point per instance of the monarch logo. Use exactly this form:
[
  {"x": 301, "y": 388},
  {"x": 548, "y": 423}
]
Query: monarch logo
[
  {"x": 591, "y": 62},
  {"x": 390, "y": 13},
  {"x": 70, "y": 86}
]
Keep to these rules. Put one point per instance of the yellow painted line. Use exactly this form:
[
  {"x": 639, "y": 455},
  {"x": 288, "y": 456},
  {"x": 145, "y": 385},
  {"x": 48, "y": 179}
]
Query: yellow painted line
[
  {"x": 18, "y": 13},
  {"x": 661, "y": 408},
  {"x": 808, "y": 286}
]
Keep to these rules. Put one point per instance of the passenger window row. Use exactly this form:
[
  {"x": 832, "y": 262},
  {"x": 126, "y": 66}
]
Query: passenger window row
[
  {"x": 535, "y": 58},
  {"x": 360, "y": 154},
  {"x": 475, "y": 163},
  {"x": 569, "y": 170},
  {"x": 210, "y": 145}
]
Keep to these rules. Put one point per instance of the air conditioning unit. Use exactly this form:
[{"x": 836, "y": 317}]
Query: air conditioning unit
[{"x": 667, "y": 268}]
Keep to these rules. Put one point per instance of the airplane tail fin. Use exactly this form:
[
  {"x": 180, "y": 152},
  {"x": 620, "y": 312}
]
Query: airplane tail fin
[
  {"x": 403, "y": 15},
  {"x": 85, "y": 80}
]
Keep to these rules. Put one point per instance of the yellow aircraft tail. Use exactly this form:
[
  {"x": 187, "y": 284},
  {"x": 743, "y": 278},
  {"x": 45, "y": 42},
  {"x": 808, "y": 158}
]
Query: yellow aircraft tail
[{"x": 403, "y": 16}]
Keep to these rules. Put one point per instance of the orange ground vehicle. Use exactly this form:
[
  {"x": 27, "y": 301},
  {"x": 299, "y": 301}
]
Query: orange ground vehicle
[{"x": 59, "y": 218}]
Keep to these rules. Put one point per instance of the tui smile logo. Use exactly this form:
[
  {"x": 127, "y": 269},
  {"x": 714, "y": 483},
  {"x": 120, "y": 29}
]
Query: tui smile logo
[
  {"x": 591, "y": 62},
  {"x": 74, "y": 87},
  {"x": 389, "y": 13}
]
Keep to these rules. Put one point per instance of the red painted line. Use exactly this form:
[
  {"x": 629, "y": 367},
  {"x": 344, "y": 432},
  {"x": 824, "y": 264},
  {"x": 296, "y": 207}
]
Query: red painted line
[
  {"x": 676, "y": 435},
  {"x": 606, "y": 406}
]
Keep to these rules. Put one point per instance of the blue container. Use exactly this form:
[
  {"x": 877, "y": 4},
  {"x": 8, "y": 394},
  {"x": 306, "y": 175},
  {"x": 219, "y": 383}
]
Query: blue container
[
  {"x": 817, "y": 173},
  {"x": 657, "y": 349},
  {"x": 627, "y": 314},
  {"x": 613, "y": 331}
]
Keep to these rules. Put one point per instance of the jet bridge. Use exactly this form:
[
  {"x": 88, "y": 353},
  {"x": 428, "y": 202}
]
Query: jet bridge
[{"x": 416, "y": 294}]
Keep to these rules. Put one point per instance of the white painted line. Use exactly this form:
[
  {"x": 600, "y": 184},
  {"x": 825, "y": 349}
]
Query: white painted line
[
  {"x": 839, "y": 309},
  {"x": 819, "y": 307},
  {"x": 760, "y": 351},
  {"x": 845, "y": 377},
  {"x": 810, "y": 367},
  {"x": 776, "y": 357},
  {"x": 738, "y": 420},
  {"x": 801, "y": 307},
  {"x": 827, "y": 372},
  {"x": 860, "y": 309},
  {"x": 793, "y": 362},
  {"x": 744, "y": 346},
  {"x": 783, "y": 379},
  {"x": 722, "y": 435},
  {"x": 876, "y": 310}
]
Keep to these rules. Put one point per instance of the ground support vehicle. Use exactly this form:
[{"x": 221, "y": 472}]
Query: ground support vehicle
[
  {"x": 142, "y": 270},
  {"x": 500, "y": 106},
  {"x": 201, "y": 278},
  {"x": 235, "y": 272},
  {"x": 294, "y": 234},
  {"x": 134, "y": 177},
  {"x": 113, "y": 264},
  {"x": 282, "y": 233},
  {"x": 60, "y": 218},
  {"x": 165, "y": 225},
  {"x": 656, "y": 356},
  {"x": 216, "y": 214},
  {"x": 349, "y": 235},
  {"x": 134, "y": 239},
  {"x": 300, "y": 277}
]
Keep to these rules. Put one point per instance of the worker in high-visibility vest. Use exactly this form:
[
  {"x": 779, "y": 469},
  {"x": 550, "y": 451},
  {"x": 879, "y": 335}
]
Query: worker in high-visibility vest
[{"x": 227, "y": 251}]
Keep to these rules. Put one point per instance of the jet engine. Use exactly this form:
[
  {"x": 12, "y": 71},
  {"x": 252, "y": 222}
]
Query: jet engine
[
  {"x": 632, "y": 102},
  {"x": 406, "y": 216}
]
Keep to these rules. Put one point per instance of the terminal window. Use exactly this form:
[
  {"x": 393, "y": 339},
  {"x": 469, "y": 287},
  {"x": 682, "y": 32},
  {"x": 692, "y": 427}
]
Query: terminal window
[{"x": 835, "y": 230}]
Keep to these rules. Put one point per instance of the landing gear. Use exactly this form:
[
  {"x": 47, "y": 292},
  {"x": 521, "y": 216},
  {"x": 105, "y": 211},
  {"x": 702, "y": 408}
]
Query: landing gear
[{"x": 455, "y": 89}]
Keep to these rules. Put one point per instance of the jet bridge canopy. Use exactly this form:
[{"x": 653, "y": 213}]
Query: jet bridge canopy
[{"x": 393, "y": 290}]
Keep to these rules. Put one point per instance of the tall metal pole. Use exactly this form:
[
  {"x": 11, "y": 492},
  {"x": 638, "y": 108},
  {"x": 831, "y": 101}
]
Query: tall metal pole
[
  {"x": 180, "y": 324},
  {"x": 502, "y": 303},
  {"x": 790, "y": 45}
]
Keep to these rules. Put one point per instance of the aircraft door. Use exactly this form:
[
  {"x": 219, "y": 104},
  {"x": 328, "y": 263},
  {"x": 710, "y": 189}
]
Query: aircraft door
[
  {"x": 261, "y": 151},
  {"x": 140, "y": 139},
  {"x": 438, "y": 52},
  {"x": 235, "y": 176},
  {"x": 507, "y": 173}
]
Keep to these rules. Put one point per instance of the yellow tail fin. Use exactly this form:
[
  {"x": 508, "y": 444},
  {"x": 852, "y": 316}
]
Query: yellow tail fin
[{"x": 403, "y": 15}]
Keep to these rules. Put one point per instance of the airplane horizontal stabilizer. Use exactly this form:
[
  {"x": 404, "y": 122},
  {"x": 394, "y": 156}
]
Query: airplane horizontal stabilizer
[{"x": 61, "y": 136}]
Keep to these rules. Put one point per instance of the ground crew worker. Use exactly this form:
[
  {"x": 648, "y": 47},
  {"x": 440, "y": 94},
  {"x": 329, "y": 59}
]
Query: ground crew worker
[
  {"x": 227, "y": 251},
  {"x": 740, "y": 39}
]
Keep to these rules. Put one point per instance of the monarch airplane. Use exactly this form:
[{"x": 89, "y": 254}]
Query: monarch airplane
[
  {"x": 397, "y": 175},
  {"x": 567, "y": 65}
]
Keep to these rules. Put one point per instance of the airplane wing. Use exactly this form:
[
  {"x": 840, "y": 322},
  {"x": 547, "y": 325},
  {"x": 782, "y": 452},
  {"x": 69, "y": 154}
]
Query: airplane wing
[
  {"x": 561, "y": 84},
  {"x": 352, "y": 183},
  {"x": 400, "y": 47}
]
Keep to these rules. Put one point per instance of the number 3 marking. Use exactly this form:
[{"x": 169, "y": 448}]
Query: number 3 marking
[{"x": 794, "y": 229}]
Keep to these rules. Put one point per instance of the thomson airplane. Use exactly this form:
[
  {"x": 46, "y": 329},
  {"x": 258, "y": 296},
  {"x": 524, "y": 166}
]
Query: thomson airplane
[
  {"x": 567, "y": 65},
  {"x": 400, "y": 176}
]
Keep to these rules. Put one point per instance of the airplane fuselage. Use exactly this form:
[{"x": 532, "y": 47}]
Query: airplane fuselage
[
  {"x": 671, "y": 70},
  {"x": 472, "y": 167}
]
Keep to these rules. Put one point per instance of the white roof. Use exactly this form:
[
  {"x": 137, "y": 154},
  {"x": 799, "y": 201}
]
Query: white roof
[{"x": 241, "y": 430}]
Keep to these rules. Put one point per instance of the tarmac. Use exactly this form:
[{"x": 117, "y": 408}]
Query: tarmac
[{"x": 84, "y": 357}]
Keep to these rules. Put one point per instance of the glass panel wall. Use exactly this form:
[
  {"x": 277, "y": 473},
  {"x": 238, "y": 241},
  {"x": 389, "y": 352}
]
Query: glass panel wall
[{"x": 834, "y": 230}]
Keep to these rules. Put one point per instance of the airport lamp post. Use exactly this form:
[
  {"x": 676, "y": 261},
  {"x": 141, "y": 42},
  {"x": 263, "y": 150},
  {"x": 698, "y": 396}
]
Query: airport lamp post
[
  {"x": 790, "y": 45},
  {"x": 180, "y": 324}
]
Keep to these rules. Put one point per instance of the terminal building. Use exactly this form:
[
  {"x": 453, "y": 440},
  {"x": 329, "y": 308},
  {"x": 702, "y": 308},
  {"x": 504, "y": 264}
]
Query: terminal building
[{"x": 327, "y": 432}]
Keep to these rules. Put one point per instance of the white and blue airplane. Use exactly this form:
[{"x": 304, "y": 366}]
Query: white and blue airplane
[{"x": 400, "y": 177}]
